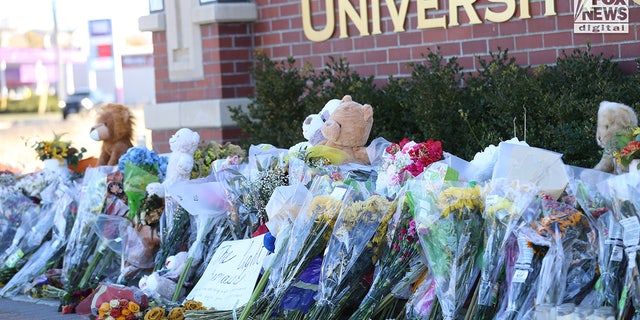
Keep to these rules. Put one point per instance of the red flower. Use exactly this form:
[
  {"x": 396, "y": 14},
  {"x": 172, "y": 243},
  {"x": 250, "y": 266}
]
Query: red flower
[
  {"x": 130, "y": 316},
  {"x": 115, "y": 312},
  {"x": 67, "y": 309},
  {"x": 630, "y": 148}
]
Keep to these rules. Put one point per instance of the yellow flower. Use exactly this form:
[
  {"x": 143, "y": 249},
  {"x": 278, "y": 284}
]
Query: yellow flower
[
  {"x": 133, "y": 307},
  {"x": 104, "y": 307},
  {"x": 121, "y": 317},
  {"x": 125, "y": 312},
  {"x": 456, "y": 198},
  {"x": 156, "y": 313},
  {"x": 176, "y": 313},
  {"x": 193, "y": 305}
]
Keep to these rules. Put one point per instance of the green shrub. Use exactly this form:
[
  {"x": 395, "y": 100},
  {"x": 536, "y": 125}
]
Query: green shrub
[{"x": 552, "y": 107}]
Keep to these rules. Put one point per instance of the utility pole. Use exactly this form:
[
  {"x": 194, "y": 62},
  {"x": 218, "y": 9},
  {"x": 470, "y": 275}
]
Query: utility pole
[{"x": 61, "y": 91}]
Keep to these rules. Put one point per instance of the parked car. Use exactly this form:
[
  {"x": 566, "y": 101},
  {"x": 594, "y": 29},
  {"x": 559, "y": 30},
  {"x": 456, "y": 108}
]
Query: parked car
[{"x": 80, "y": 101}]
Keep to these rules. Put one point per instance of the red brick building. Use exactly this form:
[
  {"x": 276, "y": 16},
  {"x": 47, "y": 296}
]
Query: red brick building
[{"x": 203, "y": 49}]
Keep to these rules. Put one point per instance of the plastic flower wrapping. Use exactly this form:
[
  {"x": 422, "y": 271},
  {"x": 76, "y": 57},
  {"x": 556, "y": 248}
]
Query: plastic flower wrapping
[
  {"x": 400, "y": 250},
  {"x": 82, "y": 240},
  {"x": 588, "y": 186},
  {"x": 34, "y": 227},
  {"x": 308, "y": 238},
  {"x": 352, "y": 251},
  {"x": 449, "y": 225},
  {"x": 505, "y": 203},
  {"x": 626, "y": 208},
  {"x": 403, "y": 160},
  {"x": 58, "y": 201},
  {"x": 140, "y": 167}
]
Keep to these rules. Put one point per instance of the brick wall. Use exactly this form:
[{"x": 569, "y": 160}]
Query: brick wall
[
  {"x": 533, "y": 41},
  {"x": 228, "y": 47}
]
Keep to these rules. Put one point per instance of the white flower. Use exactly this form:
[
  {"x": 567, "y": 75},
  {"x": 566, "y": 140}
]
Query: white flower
[{"x": 114, "y": 303}]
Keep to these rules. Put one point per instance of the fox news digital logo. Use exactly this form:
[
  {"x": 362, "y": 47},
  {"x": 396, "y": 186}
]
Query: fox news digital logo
[{"x": 601, "y": 16}]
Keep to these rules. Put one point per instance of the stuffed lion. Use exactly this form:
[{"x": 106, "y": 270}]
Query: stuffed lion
[{"x": 114, "y": 127}]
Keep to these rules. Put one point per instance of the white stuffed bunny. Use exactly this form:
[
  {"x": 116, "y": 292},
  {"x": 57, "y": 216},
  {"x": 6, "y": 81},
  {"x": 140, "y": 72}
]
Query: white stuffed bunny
[{"x": 183, "y": 145}]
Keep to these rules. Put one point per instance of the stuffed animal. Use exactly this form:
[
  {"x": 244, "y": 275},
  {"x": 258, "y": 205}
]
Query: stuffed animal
[
  {"x": 183, "y": 145},
  {"x": 348, "y": 129},
  {"x": 612, "y": 117},
  {"x": 312, "y": 125},
  {"x": 114, "y": 127}
]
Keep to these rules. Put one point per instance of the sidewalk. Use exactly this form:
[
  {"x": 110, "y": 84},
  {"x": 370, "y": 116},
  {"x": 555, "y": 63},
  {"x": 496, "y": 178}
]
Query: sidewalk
[{"x": 27, "y": 308}]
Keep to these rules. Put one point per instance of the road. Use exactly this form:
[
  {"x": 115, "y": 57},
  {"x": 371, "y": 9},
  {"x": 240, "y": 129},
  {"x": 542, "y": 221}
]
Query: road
[{"x": 20, "y": 131}]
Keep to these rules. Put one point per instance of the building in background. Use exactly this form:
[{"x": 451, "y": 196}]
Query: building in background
[
  {"x": 203, "y": 49},
  {"x": 30, "y": 59}
]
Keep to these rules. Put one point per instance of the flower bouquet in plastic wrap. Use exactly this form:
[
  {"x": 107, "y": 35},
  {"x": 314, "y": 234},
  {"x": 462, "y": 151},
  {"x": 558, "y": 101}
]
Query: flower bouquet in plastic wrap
[
  {"x": 17, "y": 213},
  {"x": 588, "y": 186},
  {"x": 207, "y": 204},
  {"x": 403, "y": 160},
  {"x": 82, "y": 240},
  {"x": 307, "y": 161},
  {"x": 57, "y": 201},
  {"x": 397, "y": 259},
  {"x": 626, "y": 208},
  {"x": 140, "y": 167},
  {"x": 35, "y": 226},
  {"x": 449, "y": 225},
  {"x": 505, "y": 203},
  {"x": 282, "y": 209},
  {"x": 307, "y": 240},
  {"x": 352, "y": 251},
  {"x": 569, "y": 268}
]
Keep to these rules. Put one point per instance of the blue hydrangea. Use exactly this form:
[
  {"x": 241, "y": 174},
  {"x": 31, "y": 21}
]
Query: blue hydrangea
[{"x": 141, "y": 157}]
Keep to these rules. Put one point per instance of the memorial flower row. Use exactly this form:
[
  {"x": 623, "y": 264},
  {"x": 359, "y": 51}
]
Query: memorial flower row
[{"x": 300, "y": 234}]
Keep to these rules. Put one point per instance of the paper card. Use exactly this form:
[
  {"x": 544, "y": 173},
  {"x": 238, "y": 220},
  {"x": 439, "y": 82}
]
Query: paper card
[{"x": 231, "y": 275}]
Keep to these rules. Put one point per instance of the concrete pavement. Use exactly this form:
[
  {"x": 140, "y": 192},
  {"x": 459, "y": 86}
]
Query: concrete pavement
[{"x": 27, "y": 308}]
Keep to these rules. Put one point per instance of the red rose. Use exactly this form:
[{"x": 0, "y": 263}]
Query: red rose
[{"x": 115, "y": 312}]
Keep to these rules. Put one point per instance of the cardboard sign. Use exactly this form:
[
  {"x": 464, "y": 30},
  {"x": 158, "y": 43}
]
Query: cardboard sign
[{"x": 231, "y": 275}]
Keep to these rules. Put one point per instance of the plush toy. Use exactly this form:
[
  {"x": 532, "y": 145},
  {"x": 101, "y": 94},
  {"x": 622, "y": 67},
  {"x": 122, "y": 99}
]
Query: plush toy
[
  {"x": 348, "y": 129},
  {"x": 183, "y": 145},
  {"x": 312, "y": 125},
  {"x": 612, "y": 117},
  {"x": 114, "y": 127}
]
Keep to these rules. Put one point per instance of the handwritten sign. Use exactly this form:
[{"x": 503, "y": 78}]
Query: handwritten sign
[{"x": 231, "y": 275}]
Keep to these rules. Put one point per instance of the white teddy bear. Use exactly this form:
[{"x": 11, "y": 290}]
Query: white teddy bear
[
  {"x": 183, "y": 145},
  {"x": 313, "y": 123}
]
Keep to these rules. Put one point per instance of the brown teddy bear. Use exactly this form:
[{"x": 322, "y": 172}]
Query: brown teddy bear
[
  {"x": 348, "y": 129},
  {"x": 114, "y": 127},
  {"x": 612, "y": 117}
]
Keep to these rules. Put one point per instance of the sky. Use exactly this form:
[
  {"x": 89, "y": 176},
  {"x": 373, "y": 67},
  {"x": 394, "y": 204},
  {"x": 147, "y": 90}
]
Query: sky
[{"x": 73, "y": 14}]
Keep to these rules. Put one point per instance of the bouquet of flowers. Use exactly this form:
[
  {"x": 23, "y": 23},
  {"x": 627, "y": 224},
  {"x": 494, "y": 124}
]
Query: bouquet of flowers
[
  {"x": 568, "y": 270},
  {"x": 307, "y": 161},
  {"x": 207, "y": 203},
  {"x": 401, "y": 247},
  {"x": 352, "y": 251},
  {"x": 449, "y": 224},
  {"x": 207, "y": 153},
  {"x": 308, "y": 237},
  {"x": 59, "y": 201},
  {"x": 120, "y": 309},
  {"x": 33, "y": 231},
  {"x": 403, "y": 160},
  {"x": 58, "y": 150},
  {"x": 141, "y": 167},
  {"x": 505, "y": 203},
  {"x": 82, "y": 239},
  {"x": 586, "y": 185},
  {"x": 628, "y": 141},
  {"x": 623, "y": 190},
  {"x": 16, "y": 208}
]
